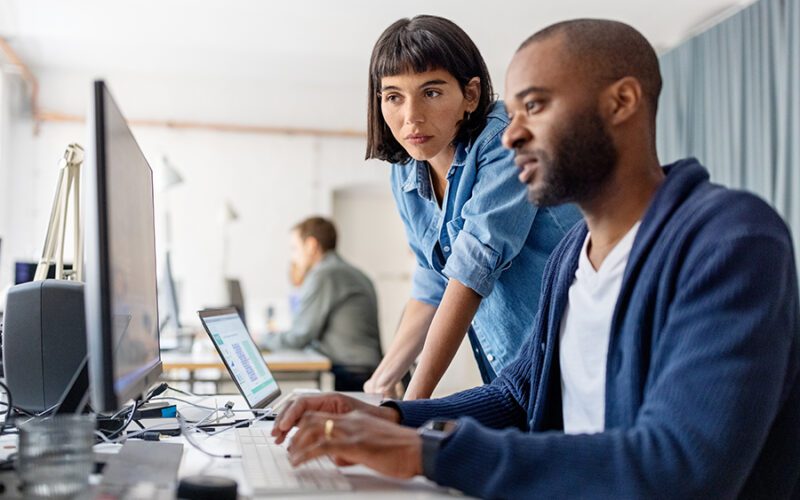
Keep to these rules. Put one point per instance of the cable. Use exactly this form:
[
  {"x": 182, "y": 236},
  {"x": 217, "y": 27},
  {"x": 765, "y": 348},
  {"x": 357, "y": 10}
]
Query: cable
[
  {"x": 169, "y": 398},
  {"x": 190, "y": 439},
  {"x": 127, "y": 421},
  {"x": 203, "y": 407},
  {"x": 132, "y": 435},
  {"x": 157, "y": 390},
  {"x": 7, "y": 413},
  {"x": 185, "y": 393}
]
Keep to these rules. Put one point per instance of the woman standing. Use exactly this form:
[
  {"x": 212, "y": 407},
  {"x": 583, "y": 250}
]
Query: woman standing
[{"x": 480, "y": 245}]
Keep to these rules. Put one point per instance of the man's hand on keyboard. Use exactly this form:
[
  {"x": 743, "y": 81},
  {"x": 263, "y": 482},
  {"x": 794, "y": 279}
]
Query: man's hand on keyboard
[
  {"x": 358, "y": 438},
  {"x": 338, "y": 404}
]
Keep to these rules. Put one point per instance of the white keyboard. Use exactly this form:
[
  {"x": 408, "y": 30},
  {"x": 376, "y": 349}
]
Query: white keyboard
[{"x": 268, "y": 471}]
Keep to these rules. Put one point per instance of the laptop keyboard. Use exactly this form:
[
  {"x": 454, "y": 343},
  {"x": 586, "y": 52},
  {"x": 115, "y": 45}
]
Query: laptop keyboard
[{"x": 267, "y": 468}]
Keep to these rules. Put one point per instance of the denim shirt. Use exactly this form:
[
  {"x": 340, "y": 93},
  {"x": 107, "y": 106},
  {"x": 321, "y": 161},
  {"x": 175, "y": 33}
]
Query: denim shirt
[{"x": 486, "y": 235}]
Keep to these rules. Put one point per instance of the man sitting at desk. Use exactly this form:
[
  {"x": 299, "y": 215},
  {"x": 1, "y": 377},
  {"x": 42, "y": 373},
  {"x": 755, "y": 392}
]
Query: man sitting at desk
[
  {"x": 337, "y": 313},
  {"x": 665, "y": 357}
]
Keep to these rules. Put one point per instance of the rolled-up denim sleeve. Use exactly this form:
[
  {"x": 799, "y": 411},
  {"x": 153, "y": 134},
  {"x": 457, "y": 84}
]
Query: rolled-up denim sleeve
[
  {"x": 496, "y": 221},
  {"x": 427, "y": 285}
]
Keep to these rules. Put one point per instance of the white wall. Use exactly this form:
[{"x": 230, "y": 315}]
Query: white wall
[
  {"x": 4, "y": 181},
  {"x": 272, "y": 181}
]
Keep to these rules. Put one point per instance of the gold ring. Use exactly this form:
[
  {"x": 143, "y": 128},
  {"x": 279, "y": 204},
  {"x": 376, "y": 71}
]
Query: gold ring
[{"x": 328, "y": 429}]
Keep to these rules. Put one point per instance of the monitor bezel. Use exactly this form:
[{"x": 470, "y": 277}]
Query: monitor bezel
[{"x": 99, "y": 325}]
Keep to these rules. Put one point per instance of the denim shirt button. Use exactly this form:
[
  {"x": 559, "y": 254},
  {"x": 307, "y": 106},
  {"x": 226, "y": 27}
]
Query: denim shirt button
[
  {"x": 447, "y": 249},
  {"x": 490, "y": 357}
]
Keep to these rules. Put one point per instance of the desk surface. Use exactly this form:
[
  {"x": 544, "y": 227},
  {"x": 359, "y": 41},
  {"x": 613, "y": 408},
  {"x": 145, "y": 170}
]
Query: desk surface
[
  {"x": 278, "y": 361},
  {"x": 366, "y": 483}
]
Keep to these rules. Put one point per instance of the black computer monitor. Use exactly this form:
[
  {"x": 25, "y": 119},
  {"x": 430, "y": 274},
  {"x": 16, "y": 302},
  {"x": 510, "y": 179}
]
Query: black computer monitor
[{"x": 120, "y": 292}]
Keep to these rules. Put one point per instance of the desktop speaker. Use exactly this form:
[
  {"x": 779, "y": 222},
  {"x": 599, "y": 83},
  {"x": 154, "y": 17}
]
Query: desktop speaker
[{"x": 44, "y": 341}]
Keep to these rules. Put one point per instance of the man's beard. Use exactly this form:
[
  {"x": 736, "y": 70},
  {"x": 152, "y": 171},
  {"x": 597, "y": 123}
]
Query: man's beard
[{"x": 584, "y": 160}]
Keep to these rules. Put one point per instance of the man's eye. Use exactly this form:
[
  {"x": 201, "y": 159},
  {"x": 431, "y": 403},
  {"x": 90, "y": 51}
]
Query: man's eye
[{"x": 533, "y": 106}]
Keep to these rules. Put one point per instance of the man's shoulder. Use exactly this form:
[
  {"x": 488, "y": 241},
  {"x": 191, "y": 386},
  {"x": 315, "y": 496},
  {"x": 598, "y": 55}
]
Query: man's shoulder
[
  {"x": 725, "y": 213},
  {"x": 336, "y": 268}
]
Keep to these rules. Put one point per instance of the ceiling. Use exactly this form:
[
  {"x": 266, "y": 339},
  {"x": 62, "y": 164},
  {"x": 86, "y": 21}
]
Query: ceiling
[{"x": 311, "y": 43}]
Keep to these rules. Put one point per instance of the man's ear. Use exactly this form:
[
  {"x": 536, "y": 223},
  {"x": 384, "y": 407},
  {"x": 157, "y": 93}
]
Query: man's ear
[
  {"x": 622, "y": 100},
  {"x": 472, "y": 93}
]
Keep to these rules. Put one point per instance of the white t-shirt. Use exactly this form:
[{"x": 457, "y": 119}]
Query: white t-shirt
[{"x": 585, "y": 330}]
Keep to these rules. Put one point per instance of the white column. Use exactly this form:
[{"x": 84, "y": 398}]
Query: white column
[{"x": 6, "y": 277}]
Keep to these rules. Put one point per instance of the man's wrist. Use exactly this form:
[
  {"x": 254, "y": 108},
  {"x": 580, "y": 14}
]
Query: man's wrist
[
  {"x": 391, "y": 411},
  {"x": 434, "y": 435}
]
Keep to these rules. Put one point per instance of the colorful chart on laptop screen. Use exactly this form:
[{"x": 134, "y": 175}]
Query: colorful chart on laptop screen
[{"x": 241, "y": 355}]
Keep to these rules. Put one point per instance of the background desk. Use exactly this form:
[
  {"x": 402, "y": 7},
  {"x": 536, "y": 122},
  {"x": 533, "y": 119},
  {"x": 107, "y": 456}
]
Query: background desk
[{"x": 289, "y": 364}]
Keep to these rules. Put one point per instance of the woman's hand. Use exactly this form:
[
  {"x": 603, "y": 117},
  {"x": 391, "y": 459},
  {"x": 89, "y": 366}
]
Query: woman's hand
[
  {"x": 336, "y": 404},
  {"x": 358, "y": 437},
  {"x": 381, "y": 384},
  {"x": 405, "y": 347}
]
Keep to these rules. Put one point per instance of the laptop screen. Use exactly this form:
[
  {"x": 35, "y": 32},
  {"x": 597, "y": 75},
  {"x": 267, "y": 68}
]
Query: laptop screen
[{"x": 241, "y": 356}]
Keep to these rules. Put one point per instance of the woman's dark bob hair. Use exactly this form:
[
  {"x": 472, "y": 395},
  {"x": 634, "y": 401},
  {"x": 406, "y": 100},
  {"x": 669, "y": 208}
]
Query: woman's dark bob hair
[{"x": 421, "y": 44}]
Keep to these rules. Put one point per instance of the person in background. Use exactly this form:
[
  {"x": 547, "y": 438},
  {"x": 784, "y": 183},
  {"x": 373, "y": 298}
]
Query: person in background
[
  {"x": 337, "y": 313},
  {"x": 665, "y": 358},
  {"x": 480, "y": 246}
]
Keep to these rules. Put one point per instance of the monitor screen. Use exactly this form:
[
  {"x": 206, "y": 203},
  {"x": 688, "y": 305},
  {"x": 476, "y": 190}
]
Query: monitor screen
[
  {"x": 241, "y": 356},
  {"x": 121, "y": 298}
]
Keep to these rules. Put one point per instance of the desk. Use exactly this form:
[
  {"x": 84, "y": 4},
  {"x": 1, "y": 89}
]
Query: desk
[
  {"x": 366, "y": 483},
  {"x": 279, "y": 362}
]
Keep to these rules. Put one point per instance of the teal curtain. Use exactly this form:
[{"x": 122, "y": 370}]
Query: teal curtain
[{"x": 731, "y": 98}]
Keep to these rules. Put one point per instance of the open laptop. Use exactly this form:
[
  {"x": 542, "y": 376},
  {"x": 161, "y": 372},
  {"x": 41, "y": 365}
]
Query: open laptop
[
  {"x": 241, "y": 356},
  {"x": 265, "y": 465}
]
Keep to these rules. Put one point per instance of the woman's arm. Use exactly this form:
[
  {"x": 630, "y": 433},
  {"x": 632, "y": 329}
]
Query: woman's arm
[
  {"x": 446, "y": 332},
  {"x": 405, "y": 348}
]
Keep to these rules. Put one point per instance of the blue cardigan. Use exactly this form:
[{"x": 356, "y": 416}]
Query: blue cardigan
[{"x": 702, "y": 386}]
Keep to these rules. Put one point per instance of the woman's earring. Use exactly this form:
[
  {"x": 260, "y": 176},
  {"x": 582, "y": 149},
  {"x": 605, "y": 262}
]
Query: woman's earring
[{"x": 468, "y": 115}]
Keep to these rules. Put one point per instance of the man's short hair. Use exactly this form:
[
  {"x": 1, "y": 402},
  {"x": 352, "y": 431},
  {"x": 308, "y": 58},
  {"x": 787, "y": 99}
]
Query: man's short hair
[
  {"x": 608, "y": 50},
  {"x": 319, "y": 228}
]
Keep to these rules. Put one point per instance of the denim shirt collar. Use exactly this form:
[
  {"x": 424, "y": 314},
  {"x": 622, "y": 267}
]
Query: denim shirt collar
[{"x": 419, "y": 176}]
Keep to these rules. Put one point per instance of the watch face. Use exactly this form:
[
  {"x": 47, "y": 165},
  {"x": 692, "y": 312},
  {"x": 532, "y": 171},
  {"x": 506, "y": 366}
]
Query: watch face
[{"x": 444, "y": 426}]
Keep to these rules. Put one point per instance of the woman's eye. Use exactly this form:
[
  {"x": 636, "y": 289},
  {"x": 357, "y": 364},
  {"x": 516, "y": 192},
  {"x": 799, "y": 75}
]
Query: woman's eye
[
  {"x": 432, "y": 93},
  {"x": 391, "y": 98}
]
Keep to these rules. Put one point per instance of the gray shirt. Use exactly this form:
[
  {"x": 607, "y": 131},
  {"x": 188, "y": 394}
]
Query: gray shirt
[{"x": 337, "y": 315}]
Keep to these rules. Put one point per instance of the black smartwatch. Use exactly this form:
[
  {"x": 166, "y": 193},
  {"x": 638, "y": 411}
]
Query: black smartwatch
[{"x": 434, "y": 434}]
